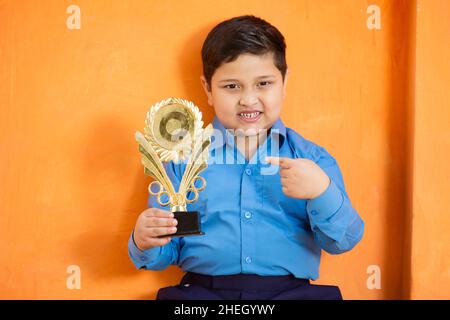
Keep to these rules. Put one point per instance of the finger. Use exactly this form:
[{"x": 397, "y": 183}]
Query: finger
[
  {"x": 159, "y": 231},
  {"x": 284, "y": 163},
  {"x": 286, "y": 182},
  {"x": 273, "y": 160},
  {"x": 151, "y": 222},
  {"x": 285, "y": 173},
  {"x": 158, "y": 242},
  {"x": 156, "y": 212}
]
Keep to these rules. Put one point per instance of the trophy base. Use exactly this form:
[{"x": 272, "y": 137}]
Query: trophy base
[{"x": 188, "y": 224}]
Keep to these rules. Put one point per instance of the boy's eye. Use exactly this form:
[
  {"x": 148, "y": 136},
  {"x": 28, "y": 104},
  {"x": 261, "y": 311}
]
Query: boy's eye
[
  {"x": 231, "y": 86},
  {"x": 264, "y": 83}
]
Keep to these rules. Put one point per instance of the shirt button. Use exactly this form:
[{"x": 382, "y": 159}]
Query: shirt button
[
  {"x": 248, "y": 214},
  {"x": 313, "y": 212},
  {"x": 143, "y": 258},
  {"x": 248, "y": 260},
  {"x": 248, "y": 171}
]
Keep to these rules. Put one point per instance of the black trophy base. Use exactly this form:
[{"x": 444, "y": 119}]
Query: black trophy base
[{"x": 188, "y": 225}]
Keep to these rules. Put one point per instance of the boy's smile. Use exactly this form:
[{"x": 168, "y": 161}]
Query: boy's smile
[{"x": 247, "y": 93}]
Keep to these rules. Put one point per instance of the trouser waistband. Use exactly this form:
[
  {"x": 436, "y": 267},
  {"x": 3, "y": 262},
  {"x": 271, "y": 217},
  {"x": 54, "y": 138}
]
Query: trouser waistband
[{"x": 244, "y": 281}]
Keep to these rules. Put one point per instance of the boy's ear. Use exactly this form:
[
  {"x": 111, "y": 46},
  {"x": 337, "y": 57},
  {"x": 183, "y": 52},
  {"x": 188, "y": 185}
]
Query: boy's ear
[
  {"x": 285, "y": 83},
  {"x": 207, "y": 89}
]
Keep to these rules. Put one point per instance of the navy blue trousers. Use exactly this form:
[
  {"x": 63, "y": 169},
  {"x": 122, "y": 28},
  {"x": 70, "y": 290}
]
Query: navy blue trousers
[{"x": 194, "y": 286}]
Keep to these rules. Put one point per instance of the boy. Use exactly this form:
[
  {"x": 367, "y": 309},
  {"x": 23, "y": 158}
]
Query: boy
[{"x": 264, "y": 229}]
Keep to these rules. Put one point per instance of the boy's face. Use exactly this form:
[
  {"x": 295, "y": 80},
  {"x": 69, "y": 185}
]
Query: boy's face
[{"x": 247, "y": 93}]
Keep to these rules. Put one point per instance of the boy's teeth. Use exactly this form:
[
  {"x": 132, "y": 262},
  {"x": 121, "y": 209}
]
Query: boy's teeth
[{"x": 249, "y": 115}]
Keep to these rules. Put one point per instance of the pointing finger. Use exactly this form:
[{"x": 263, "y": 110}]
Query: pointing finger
[{"x": 279, "y": 161}]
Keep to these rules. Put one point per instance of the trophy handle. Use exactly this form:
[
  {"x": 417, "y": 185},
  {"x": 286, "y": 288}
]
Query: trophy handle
[
  {"x": 195, "y": 190},
  {"x": 161, "y": 192},
  {"x": 194, "y": 166},
  {"x": 151, "y": 161}
]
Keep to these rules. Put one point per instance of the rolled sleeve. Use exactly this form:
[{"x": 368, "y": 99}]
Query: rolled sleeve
[
  {"x": 336, "y": 225},
  {"x": 326, "y": 204},
  {"x": 142, "y": 258}
]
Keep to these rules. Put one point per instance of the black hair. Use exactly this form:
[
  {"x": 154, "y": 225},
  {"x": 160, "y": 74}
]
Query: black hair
[{"x": 238, "y": 35}]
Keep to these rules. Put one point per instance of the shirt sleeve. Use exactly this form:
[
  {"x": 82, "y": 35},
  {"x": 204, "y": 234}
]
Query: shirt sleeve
[
  {"x": 157, "y": 258},
  {"x": 336, "y": 225}
]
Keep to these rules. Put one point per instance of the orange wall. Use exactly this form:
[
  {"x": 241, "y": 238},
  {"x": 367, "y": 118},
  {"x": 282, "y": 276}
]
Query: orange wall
[
  {"x": 71, "y": 183},
  {"x": 430, "y": 252}
]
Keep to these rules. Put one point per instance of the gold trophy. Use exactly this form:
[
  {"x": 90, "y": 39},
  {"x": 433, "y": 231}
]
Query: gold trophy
[{"x": 174, "y": 132}]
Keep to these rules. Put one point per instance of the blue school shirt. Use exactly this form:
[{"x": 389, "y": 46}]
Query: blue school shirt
[{"x": 250, "y": 225}]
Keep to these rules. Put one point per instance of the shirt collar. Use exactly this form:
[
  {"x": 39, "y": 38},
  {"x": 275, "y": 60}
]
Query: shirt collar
[{"x": 227, "y": 135}]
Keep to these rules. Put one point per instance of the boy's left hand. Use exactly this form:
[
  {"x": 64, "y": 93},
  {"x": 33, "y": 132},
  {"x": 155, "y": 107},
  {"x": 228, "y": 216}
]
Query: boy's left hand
[{"x": 301, "y": 178}]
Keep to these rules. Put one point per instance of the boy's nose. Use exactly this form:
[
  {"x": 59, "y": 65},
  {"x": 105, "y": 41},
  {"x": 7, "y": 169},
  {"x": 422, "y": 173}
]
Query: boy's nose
[{"x": 248, "y": 99}]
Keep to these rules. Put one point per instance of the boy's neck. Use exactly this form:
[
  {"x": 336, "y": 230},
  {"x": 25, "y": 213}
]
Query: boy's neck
[{"x": 248, "y": 145}]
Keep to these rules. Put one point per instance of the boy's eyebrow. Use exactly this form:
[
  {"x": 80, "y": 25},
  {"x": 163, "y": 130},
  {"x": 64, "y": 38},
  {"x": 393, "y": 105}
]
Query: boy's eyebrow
[
  {"x": 266, "y": 76},
  {"x": 259, "y": 77}
]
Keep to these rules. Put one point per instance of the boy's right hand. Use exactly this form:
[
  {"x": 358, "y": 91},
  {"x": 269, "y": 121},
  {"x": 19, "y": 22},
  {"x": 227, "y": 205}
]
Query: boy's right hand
[{"x": 151, "y": 223}]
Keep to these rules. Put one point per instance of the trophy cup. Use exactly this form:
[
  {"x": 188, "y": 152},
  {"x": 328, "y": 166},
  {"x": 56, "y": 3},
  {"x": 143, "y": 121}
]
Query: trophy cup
[{"x": 173, "y": 132}]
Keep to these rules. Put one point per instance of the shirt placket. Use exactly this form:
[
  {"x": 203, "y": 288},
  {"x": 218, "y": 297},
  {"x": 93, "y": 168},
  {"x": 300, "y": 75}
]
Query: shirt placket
[{"x": 248, "y": 215}]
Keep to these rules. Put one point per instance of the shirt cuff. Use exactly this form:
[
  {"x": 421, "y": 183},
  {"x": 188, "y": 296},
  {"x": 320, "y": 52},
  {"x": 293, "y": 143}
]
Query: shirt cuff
[
  {"x": 143, "y": 257},
  {"x": 326, "y": 204}
]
